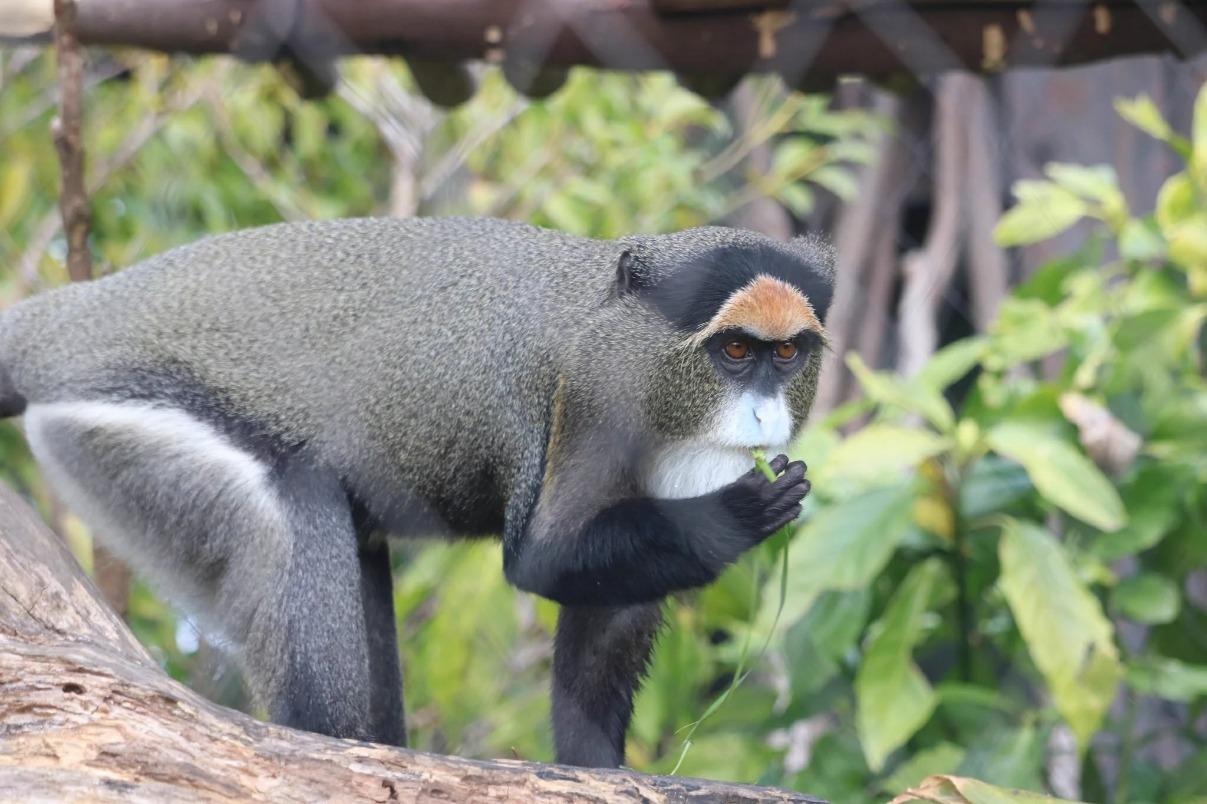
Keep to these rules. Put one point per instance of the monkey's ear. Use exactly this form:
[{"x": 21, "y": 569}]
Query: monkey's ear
[{"x": 627, "y": 279}]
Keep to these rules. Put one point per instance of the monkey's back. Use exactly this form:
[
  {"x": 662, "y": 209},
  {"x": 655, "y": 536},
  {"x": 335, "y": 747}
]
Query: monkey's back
[{"x": 418, "y": 353}]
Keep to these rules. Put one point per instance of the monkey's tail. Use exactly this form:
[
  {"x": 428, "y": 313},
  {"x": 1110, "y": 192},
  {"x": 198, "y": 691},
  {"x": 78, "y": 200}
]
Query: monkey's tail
[{"x": 11, "y": 401}]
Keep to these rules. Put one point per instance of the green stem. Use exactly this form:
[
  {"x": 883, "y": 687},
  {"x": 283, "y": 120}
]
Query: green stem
[{"x": 742, "y": 671}]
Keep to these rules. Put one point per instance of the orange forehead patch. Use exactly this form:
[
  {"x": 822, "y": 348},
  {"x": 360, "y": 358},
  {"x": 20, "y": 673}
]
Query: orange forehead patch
[{"x": 768, "y": 308}]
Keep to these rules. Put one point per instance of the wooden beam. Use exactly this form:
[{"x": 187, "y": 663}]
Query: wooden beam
[{"x": 810, "y": 42}]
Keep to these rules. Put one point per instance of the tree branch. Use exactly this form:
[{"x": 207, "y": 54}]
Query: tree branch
[
  {"x": 86, "y": 714},
  {"x": 68, "y": 140}
]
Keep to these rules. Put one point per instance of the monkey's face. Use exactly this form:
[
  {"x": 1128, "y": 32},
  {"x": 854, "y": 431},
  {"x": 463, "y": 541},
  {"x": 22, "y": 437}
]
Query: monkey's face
[
  {"x": 756, "y": 374},
  {"x": 746, "y": 370},
  {"x": 740, "y": 387},
  {"x": 740, "y": 339}
]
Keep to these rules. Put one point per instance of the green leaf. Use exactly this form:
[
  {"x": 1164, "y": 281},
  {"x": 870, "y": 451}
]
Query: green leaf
[
  {"x": 797, "y": 197},
  {"x": 816, "y": 643},
  {"x": 682, "y": 108},
  {"x": 14, "y": 189},
  {"x": 843, "y": 546},
  {"x": 836, "y": 619},
  {"x": 1061, "y": 473},
  {"x": 1091, "y": 182},
  {"x": 1141, "y": 240},
  {"x": 952, "y": 362},
  {"x": 837, "y": 179},
  {"x": 1025, "y": 329},
  {"x": 1199, "y": 135},
  {"x": 1153, "y": 502},
  {"x": 942, "y": 757},
  {"x": 1188, "y": 245},
  {"x": 893, "y": 699},
  {"x": 1141, "y": 329},
  {"x": 1044, "y": 210},
  {"x": 1176, "y": 203},
  {"x": 877, "y": 453},
  {"x": 794, "y": 158},
  {"x": 1069, "y": 638},
  {"x": 1001, "y": 754},
  {"x": 1147, "y": 598},
  {"x": 993, "y": 485},
  {"x": 1142, "y": 113},
  {"x": 568, "y": 213},
  {"x": 1167, "y": 678},
  {"x": 912, "y": 397}
]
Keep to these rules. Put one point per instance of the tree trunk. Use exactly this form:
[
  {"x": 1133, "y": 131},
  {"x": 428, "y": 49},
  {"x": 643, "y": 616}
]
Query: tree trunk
[{"x": 87, "y": 714}]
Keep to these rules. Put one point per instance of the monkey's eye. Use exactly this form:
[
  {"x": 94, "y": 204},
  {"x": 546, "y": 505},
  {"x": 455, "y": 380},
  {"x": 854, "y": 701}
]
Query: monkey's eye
[
  {"x": 737, "y": 350},
  {"x": 785, "y": 350}
]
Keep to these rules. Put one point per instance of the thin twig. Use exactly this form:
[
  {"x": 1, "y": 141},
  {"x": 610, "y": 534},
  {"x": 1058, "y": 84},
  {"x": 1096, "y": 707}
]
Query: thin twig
[
  {"x": 251, "y": 167},
  {"x": 111, "y": 575},
  {"x": 454, "y": 158},
  {"x": 73, "y": 196},
  {"x": 752, "y": 138},
  {"x": 33, "y": 111}
]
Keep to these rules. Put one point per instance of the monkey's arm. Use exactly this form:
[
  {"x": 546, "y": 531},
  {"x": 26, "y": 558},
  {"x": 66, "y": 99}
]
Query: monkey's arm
[{"x": 641, "y": 549}]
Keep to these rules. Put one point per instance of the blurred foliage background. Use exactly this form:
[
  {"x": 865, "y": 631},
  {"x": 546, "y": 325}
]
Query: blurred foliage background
[{"x": 1001, "y": 571}]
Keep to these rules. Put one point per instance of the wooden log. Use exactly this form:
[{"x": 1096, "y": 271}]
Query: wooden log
[{"x": 87, "y": 715}]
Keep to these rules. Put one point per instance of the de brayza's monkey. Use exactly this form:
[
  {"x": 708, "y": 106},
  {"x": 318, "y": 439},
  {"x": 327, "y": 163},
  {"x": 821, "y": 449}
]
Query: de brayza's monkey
[{"x": 243, "y": 419}]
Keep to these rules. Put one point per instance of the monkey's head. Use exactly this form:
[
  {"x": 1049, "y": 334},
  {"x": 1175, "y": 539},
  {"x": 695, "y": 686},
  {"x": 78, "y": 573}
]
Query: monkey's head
[{"x": 737, "y": 320}]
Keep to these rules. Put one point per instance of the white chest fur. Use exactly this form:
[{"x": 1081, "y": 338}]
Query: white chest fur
[
  {"x": 691, "y": 468},
  {"x": 696, "y": 466}
]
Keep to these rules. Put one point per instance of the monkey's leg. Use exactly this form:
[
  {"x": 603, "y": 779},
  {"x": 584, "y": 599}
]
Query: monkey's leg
[
  {"x": 600, "y": 656},
  {"x": 325, "y": 684},
  {"x": 377, "y": 594},
  {"x": 264, "y": 557}
]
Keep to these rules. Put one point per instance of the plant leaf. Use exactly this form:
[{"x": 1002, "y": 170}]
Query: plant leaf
[
  {"x": 1147, "y": 598},
  {"x": 1091, "y": 182},
  {"x": 892, "y": 391},
  {"x": 879, "y": 452},
  {"x": 1069, "y": 638},
  {"x": 893, "y": 698},
  {"x": 1167, "y": 678},
  {"x": 1044, "y": 210},
  {"x": 842, "y": 546},
  {"x": 1061, "y": 473},
  {"x": 1142, "y": 113},
  {"x": 952, "y": 362},
  {"x": 942, "y": 757}
]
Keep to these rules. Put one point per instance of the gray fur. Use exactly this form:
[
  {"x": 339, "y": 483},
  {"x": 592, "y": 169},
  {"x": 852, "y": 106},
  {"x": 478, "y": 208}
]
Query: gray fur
[{"x": 436, "y": 372}]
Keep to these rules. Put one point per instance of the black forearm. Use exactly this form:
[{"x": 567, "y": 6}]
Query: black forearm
[{"x": 635, "y": 551}]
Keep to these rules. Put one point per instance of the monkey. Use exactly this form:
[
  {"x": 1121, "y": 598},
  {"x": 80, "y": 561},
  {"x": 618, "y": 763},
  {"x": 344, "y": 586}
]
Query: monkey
[{"x": 246, "y": 419}]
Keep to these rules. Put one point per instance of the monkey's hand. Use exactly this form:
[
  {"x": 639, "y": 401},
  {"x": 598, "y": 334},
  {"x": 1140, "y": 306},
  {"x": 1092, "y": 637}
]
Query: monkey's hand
[{"x": 760, "y": 506}]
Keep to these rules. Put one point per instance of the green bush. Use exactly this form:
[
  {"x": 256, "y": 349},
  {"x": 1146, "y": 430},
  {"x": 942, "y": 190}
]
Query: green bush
[{"x": 963, "y": 581}]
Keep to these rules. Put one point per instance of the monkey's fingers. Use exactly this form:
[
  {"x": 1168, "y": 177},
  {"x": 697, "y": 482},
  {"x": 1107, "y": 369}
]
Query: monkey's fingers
[
  {"x": 786, "y": 518},
  {"x": 793, "y": 494},
  {"x": 778, "y": 463},
  {"x": 788, "y": 496},
  {"x": 793, "y": 474}
]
